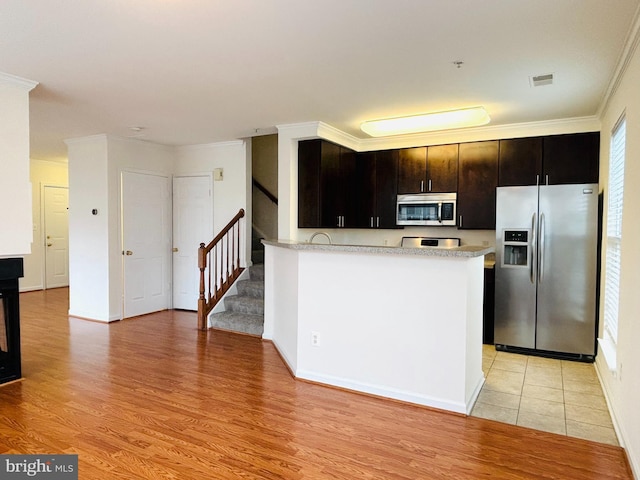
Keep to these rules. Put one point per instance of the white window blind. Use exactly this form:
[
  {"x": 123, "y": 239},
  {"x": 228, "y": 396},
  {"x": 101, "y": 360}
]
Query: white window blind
[{"x": 614, "y": 230}]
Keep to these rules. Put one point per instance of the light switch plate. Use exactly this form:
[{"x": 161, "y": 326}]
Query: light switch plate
[{"x": 217, "y": 174}]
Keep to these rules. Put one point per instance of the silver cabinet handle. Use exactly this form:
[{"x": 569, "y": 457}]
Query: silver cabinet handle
[
  {"x": 429, "y": 185},
  {"x": 377, "y": 222},
  {"x": 371, "y": 222},
  {"x": 460, "y": 222},
  {"x": 421, "y": 185}
]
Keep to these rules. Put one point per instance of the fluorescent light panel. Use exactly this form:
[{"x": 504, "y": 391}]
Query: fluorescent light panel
[{"x": 466, "y": 117}]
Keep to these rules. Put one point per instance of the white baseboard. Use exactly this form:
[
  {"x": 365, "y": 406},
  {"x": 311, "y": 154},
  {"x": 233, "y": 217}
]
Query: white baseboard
[{"x": 380, "y": 391}]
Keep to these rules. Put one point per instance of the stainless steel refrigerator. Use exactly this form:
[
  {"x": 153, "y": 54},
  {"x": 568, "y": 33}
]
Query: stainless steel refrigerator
[{"x": 546, "y": 260}]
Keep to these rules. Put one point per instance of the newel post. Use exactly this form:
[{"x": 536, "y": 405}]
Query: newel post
[{"x": 202, "y": 265}]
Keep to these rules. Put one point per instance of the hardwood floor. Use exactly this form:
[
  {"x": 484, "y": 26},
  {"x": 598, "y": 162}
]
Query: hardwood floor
[{"x": 153, "y": 397}]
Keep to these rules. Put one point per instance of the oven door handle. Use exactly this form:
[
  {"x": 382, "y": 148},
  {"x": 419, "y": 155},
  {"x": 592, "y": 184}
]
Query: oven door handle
[{"x": 439, "y": 212}]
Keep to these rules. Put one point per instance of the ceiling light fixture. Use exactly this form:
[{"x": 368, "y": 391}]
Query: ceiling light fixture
[{"x": 428, "y": 122}]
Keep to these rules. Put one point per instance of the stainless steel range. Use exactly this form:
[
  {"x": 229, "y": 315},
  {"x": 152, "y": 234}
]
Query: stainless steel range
[{"x": 433, "y": 242}]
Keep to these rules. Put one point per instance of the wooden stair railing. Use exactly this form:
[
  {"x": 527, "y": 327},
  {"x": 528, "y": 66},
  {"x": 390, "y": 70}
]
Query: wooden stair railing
[{"x": 219, "y": 264}]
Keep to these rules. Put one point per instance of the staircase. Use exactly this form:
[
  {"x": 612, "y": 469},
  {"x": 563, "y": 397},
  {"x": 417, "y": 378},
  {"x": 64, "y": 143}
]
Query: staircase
[{"x": 244, "y": 312}]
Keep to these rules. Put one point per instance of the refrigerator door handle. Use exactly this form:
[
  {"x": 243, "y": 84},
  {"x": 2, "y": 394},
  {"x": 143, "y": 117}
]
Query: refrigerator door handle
[
  {"x": 534, "y": 245},
  {"x": 541, "y": 252}
]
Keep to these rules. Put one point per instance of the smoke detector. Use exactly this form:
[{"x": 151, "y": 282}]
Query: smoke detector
[{"x": 540, "y": 80}]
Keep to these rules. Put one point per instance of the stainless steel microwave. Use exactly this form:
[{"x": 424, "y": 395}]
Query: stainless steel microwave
[{"x": 431, "y": 209}]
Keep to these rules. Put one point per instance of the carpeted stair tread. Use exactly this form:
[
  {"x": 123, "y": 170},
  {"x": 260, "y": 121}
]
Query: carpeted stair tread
[
  {"x": 251, "y": 288},
  {"x": 238, "y": 322},
  {"x": 256, "y": 272},
  {"x": 244, "y": 311},
  {"x": 245, "y": 304}
]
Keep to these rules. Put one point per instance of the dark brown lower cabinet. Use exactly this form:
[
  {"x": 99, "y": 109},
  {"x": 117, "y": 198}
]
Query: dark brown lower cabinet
[{"x": 488, "y": 307}]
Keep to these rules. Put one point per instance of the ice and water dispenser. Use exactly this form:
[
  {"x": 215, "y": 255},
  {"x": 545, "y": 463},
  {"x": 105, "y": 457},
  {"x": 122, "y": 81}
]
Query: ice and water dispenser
[{"x": 516, "y": 248}]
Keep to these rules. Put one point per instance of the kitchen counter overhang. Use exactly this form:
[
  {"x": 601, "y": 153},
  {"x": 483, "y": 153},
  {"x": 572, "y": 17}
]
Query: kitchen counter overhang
[{"x": 403, "y": 323}]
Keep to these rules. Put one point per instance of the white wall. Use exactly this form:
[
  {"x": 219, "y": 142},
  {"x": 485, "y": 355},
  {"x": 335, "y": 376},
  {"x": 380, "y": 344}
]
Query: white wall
[
  {"x": 95, "y": 250},
  {"x": 281, "y": 305},
  {"x": 231, "y": 193},
  {"x": 89, "y": 288},
  {"x": 378, "y": 335},
  {"x": 15, "y": 188},
  {"x": 622, "y": 388},
  {"x": 42, "y": 173}
]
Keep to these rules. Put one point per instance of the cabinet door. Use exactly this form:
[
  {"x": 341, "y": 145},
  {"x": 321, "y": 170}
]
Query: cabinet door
[
  {"x": 366, "y": 188},
  {"x": 377, "y": 180},
  {"x": 477, "y": 182},
  {"x": 326, "y": 190},
  {"x": 330, "y": 191},
  {"x": 309, "y": 152},
  {"x": 412, "y": 170},
  {"x": 520, "y": 162},
  {"x": 442, "y": 168},
  {"x": 345, "y": 188},
  {"x": 571, "y": 158},
  {"x": 386, "y": 189}
]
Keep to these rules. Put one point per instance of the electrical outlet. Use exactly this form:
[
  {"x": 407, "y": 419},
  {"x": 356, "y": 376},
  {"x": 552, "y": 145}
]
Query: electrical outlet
[{"x": 315, "y": 339}]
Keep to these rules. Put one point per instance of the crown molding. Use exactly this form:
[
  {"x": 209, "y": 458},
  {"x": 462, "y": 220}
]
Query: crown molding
[
  {"x": 204, "y": 146},
  {"x": 299, "y": 131},
  {"x": 630, "y": 47},
  {"x": 332, "y": 134},
  {"x": 88, "y": 139},
  {"x": 15, "y": 81},
  {"x": 302, "y": 131}
]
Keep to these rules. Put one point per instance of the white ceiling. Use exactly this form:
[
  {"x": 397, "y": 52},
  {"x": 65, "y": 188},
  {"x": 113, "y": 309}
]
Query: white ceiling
[{"x": 201, "y": 71}]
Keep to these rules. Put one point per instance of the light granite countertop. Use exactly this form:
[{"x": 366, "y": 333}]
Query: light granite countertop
[{"x": 466, "y": 251}]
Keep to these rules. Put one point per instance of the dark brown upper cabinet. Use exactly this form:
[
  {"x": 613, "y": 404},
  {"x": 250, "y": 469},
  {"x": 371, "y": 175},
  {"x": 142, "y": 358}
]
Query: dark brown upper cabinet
[
  {"x": 428, "y": 169},
  {"x": 572, "y": 158},
  {"x": 520, "y": 161},
  {"x": 477, "y": 182},
  {"x": 412, "y": 169},
  {"x": 442, "y": 168},
  {"x": 377, "y": 180},
  {"x": 326, "y": 185},
  {"x": 552, "y": 160}
]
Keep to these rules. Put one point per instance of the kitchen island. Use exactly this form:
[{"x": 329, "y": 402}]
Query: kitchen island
[{"x": 402, "y": 323}]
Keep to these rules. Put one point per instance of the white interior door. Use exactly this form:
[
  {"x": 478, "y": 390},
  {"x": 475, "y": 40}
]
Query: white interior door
[
  {"x": 192, "y": 225},
  {"x": 146, "y": 243},
  {"x": 56, "y": 232}
]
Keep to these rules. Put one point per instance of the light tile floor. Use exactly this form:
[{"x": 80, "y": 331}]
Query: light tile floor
[{"x": 557, "y": 396}]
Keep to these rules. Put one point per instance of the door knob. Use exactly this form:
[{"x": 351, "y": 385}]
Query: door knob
[
  {"x": 175, "y": 249},
  {"x": 128, "y": 252},
  {"x": 49, "y": 244}
]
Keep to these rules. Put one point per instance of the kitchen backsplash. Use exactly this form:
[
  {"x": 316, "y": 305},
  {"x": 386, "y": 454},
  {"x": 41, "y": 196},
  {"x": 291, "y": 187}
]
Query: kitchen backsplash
[{"x": 392, "y": 238}]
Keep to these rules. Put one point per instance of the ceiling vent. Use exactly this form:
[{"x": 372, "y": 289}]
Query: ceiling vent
[{"x": 541, "y": 80}]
